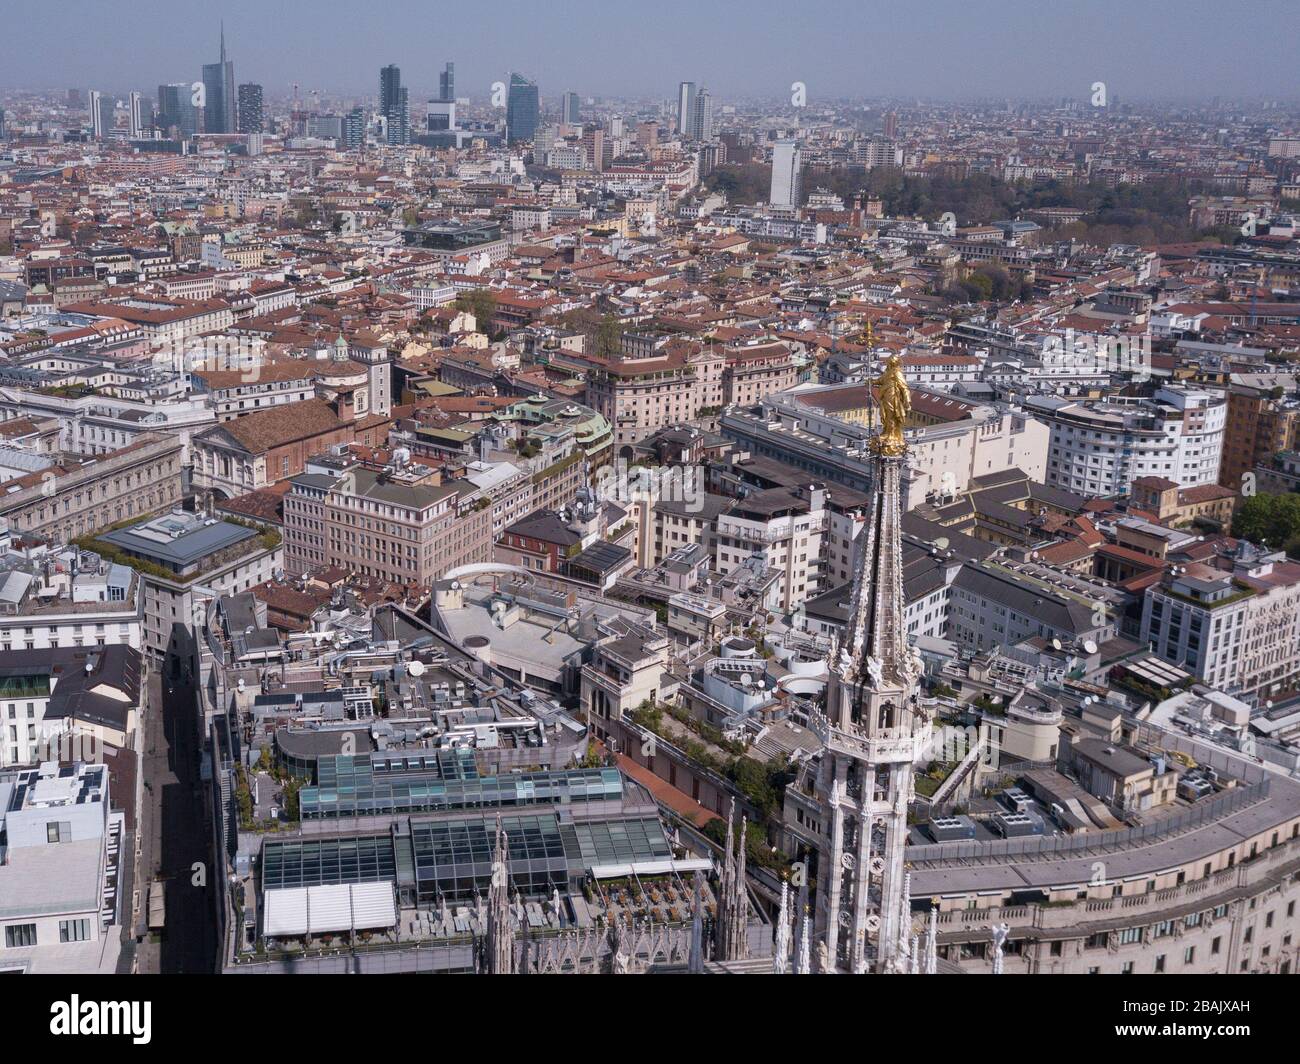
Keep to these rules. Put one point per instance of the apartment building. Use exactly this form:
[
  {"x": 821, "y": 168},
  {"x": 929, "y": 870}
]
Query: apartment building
[
  {"x": 785, "y": 527},
  {"x": 671, "y": 385},
  {"x": 62, "y": 911},
  {"x": 235, "y": 392},
  {"x": 50, "y": 697},
  {"x": 399, "y": 523},
  {"x": 757, "y": 370},
  {"x": 1237, "y": 631},
  {"x": 67, "y": 598},
  {"x": 1100, "y": 448},
  {"x": 1263, "y": 420},
  {"x": 188, "y": 561},
  {"x": 990, "y": 606}
]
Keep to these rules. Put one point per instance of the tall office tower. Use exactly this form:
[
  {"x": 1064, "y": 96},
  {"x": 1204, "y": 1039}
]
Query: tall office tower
[
  {"x": 871, "y": 732},
  {"x": 354, "y": 129},
  {"x": 139, "y": 118},
  {"x": 685, "y": 107},
  {"x": 702, "y": 115},
  {"x": 569, "y": 110},
  {"x": 891, "y": 124},
  {"x": 522, "y": 108},
  {"x": 219, "y": 101},
  {"x": 101, "y": 114},
  {"x": 177, "y": 115},
  {"x": 785, "y": 174},
  {"x": 394, "y": 105},
  {"x": 441, "y": 114},
  {"x": 2, "y": 123}
]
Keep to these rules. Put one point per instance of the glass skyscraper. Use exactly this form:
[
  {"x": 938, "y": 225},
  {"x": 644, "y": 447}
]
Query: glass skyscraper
[{"x": 521, "y": 109}]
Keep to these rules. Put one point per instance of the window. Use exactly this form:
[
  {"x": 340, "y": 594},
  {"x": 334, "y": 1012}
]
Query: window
[
  {"x": 1189, "y": 954},
  {"x": 74, "y": 930},
  {"x": 19, "y": 935}
]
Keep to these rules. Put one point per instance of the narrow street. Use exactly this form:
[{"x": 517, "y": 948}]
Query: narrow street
[{"x": 174, "y": 833}]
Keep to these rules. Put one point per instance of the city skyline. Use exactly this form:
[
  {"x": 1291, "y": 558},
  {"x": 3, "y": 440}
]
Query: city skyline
[{"x": 837, "y": 50}]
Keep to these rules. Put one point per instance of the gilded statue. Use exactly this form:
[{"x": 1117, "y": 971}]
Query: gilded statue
[{"x": 895, "y": 405}]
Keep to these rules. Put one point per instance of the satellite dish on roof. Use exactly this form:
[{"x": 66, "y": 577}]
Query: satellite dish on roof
[
  {"x": 941, "y": 543},
  {"x": 1056, "y": 644},
  {"x": 415, "y": 668},
  {"x": 1089, "y": 646}
]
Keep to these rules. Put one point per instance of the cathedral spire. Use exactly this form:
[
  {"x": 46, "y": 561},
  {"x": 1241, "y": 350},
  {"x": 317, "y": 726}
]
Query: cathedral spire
[
  {"x": 733, "y": 895},
  {"x": 871, "y": 729},
  {"x": 500, "y": 946}
]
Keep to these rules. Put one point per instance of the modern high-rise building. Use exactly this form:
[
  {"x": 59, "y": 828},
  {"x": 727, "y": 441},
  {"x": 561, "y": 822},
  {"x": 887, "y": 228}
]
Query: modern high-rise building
[
  {"x": 100, "y": 109},
  {"x": 2, "y": 123},
  {"x": 890, "y": 125},
  {"x": 702, "y": 115},
  {"x": 394, "y": 105},
  {"x": 140, "y": 115},
  {"x": 441, "y": 115},
  {"x": 219, "y": 100},
  {"x": 250, "y": 108},
  {"x": 177, "y": 114},
  {"x": 570, "y": 111},
  {"x": 354, "y": 129},
  {"x": 685, "y": 107},
  {"x": 785, "y": 174},
  {"x": 522, "y": 107}
]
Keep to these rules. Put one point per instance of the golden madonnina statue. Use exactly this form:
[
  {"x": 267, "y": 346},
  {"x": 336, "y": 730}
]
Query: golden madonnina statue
[{"x": 895, "y": 405}]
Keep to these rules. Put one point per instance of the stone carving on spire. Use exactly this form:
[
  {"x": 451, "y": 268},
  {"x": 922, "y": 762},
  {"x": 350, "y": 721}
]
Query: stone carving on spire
[
  {"x": 781, "y": 943},
  {"x": 998, "y": 933}
]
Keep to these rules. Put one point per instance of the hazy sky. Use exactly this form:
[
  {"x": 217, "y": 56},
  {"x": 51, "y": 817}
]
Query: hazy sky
[{"x": 1191, "y": 49}]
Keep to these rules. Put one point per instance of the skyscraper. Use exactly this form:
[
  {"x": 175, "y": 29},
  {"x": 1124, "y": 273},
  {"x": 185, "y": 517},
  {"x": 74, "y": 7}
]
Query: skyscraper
[
  {"x": 442, "y": 111},
  {"x": 890, "y": 124},
  {"x": 100, "y": 108},
  {"x": 570, "y": 110},
  {"x": 354, "y": 129},
  {"x": 702, "y": 115},
  {"x": 177, "y": 114},
  {"x": 785, "y": 174},
  {"x": 521, "y": 109},
  {"x": 250, "y": 108},
  {"x": 871, "y": 731},
  {"x": 685, "y": 107},
  {"x": 394, "y": 105},
  {"x": 138, "y": 115},
  {"x": 219, "y": 101}
]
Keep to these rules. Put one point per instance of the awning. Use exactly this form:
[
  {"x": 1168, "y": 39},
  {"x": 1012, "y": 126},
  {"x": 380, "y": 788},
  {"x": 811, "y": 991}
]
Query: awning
[{"x": 329, "y": 908}]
